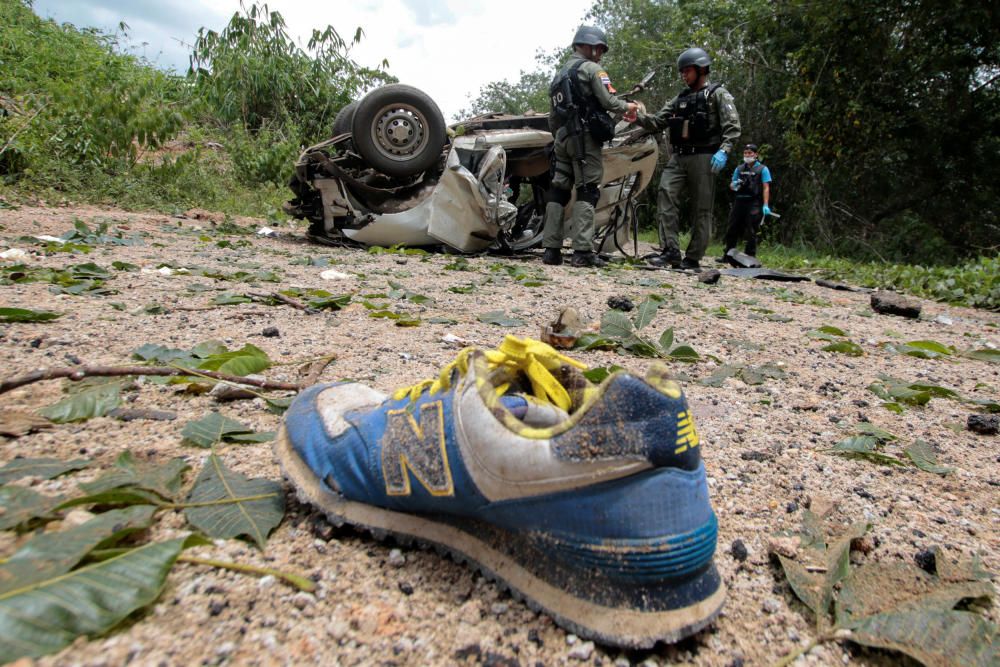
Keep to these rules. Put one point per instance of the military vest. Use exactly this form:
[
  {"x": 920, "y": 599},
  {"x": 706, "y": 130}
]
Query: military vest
[
  {"x": 693, "y": 124},
  {"x": 751, "y": 184},
  {"x": 571, "y": 101}
]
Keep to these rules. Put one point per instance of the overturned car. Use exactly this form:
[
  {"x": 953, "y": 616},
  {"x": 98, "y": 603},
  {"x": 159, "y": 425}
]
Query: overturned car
[{"x": 394, "y": 174}]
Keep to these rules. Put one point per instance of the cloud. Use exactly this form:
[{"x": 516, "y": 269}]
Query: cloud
[{"x": 431, "y": 12}]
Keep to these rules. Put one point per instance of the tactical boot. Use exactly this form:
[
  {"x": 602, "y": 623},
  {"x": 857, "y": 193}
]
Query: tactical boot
[
  {"x": 691, "y": 264},
  {"x": 670, "y": 256},
  {"x": 552, "y": 256},
  {"x": 587, "y": 258}
]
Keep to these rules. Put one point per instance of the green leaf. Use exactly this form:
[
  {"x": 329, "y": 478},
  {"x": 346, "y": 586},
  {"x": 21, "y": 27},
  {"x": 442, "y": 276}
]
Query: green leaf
[
  {"x": 19, "y": 505},
  {"x": 845, "y": 347},
  {"x": 719, "y": 377},
  {"x": 499, "y": 318},
  {"x": 936, "y": 639},
  {"x": 985, "y": 354},
  {"x": 43, "y": 468},
  {"x": 667, "y": 339},
  {"x": 118, "y": 497},
  {"x": 647, "y": 311},
  {"x": 25, "y": 315},
  {"x": 684, "y": 353},
  {"x": 463, "y": 289},
  {"x": 867, "y": 428},
  {"x": 595, "y": 341},
  {"x": 755, "y": 375},
  {"x": 616, "y": 324},
  {"x": 93, "y": 401},
  {"x": 163, "y": 479},
  {"x": 252, "y": 518},
  {"x": 211, "y": 429},
  {"x": 52, "y": 554},
  {"x": 230, "y": 299},
  {"x": 833, "y": 331},
  {"x": 923, "y": 456},
  {"x": 45, "y": 616},
  {"x": 247, "y": 360},
  {"x": 260, "y": 436},
  {"x": 641, "y": 348},
  {"x": 600, "y": 374},
  {"x": 864, "y": 447}
]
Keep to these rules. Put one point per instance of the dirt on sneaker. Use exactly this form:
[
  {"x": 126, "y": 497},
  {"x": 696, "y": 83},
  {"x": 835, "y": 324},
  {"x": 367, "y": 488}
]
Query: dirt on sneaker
[{"x": 765, "y": 432}]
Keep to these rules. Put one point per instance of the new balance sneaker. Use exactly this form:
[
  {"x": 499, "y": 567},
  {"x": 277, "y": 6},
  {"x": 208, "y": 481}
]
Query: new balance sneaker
[{"x": 588, "y": 501}]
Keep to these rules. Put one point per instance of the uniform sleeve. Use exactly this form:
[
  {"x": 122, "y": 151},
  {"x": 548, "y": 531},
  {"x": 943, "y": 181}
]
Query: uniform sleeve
[
  {"x": 729, "y": 118},
  {"x": 599, "y": 84},
  {"x": 765, "y": 175},
  {"x": 658, "y": 121}
]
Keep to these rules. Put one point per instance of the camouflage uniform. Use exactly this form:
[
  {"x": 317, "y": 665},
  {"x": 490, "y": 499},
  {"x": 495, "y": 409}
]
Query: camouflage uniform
[
  {"x": 691, "y": 164},
  {"x": 594, "y": 81}
]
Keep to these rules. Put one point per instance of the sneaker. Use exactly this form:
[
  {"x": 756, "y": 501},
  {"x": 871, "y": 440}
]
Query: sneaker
[
  {"x": 669, "y": 257},
  {"x": 587, "y": 258},
  {"x": 587, "y": 501},
  {"x": 552, "y": 256}
]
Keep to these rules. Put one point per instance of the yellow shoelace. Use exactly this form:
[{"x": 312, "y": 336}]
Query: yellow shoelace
[{"x": 532, "y": 357}]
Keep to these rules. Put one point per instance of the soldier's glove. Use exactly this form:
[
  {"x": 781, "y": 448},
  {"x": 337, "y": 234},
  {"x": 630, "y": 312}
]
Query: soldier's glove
[
  {"x": 719, "y": 161},
  {"x": 766, "y": 210}
]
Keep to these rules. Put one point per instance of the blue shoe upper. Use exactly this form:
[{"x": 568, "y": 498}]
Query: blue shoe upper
[{"x": 404, "y": 455}]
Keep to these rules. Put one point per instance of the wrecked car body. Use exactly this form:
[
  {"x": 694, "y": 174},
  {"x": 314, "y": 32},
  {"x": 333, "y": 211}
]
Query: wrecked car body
[{"x": 482, "y": 188}]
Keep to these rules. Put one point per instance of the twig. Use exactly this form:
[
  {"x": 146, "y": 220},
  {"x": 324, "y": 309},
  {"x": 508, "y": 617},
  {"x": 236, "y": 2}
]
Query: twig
[
  {"x": 77, "y": 373},
  {"x": 20, "y": 129},
  {"x": 296, "y": 580},
  {"x": 287, "y": 300},
  {"x": 316, "y": 369}
]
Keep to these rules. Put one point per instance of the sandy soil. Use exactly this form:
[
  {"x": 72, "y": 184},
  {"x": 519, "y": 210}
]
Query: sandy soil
[{"x": 381, "y": 604}]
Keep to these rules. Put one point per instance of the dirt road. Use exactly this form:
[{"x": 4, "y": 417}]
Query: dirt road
[{"x": 764, "y": 443}]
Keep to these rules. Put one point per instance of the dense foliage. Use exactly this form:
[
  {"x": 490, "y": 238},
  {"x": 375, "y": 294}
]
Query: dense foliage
[
  {"x": 880, "y": 120},
  {"x": 79, "y": 115}
]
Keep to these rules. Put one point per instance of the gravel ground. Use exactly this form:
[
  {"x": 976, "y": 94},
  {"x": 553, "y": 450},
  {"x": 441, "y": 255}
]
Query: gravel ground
[{"x": 379, "y": 603}]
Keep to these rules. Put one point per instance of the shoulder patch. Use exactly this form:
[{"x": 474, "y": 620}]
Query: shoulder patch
[{"x": 606, "y": 80}]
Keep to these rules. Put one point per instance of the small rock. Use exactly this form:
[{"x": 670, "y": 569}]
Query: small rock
[
  {"x": 791, "y": 508},
  {"x": 225, "y": 649},
  {"x": 270, "y": 332},
  {"x": 621, "y": 303},
  {"x": 760, "y": 457},
  {"x": 785, "y": 546},
  {"x": 267, "y": 581},
  {"x": 396, "y": 558},
  {"x": 926, "y": 560},
  {"x": 581, "y": 651},
  {"x": 890, "y": 303},
  {"x": 216, "y": 607},
  {"x": 572, "y": 639},
  {"x": 709, "y": 277},
  {"x": 499, "y": 608},
  {"x": 771, "y": 606},
  {"x": 337, "y": 629},
  {"x": 983, "y": 424},
  {"x": 405, "y": 588},
  {"x": 738, "y": 550},
  {"x": 303, "y": 600}
]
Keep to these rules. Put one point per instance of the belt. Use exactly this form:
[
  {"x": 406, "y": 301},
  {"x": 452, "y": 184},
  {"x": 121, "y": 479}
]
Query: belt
[{"x": 695, "y": 150}]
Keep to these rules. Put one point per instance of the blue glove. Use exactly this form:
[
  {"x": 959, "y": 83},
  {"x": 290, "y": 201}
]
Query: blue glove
[
  {"x": 767, "y": 209},
  {"x": 719, "y": 161}
]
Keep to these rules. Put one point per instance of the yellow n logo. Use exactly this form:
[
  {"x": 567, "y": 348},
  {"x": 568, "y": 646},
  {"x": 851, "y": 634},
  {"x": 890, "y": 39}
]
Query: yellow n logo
[{"x": 418, "y": 448}]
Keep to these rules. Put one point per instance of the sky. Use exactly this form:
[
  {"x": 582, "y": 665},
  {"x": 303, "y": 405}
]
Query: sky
[{"x": 447, "y": 48}]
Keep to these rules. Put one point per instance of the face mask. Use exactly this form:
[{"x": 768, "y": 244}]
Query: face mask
[{"x": 749, "y": 160}]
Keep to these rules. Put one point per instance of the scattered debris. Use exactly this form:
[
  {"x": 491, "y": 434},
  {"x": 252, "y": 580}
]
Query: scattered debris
[
  {"x": 13, "y": 253},
  {"x": 622, "y": 303},
  {"x": 738, "y": 550},
  {"x": 270, "y": 332},
  {"x": 267, "y": 232},
  {"x": 564, "y": 331},
  {"x": 890, "y": 303},
  {"x": 765, "y": 274},
  {"x": 741, "y": 260},
  {"x": 334, "y": 274},
  {"x": 841, "y": 286},
  {"x": 710, "y": 277},
  {"x": 132, "y": 414},
  {"x": 983, "y": 424}
]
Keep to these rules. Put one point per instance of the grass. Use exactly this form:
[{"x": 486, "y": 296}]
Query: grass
[{"x": 975, "y": 283}]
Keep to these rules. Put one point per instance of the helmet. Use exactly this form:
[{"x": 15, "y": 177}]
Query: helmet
[
  {"x": 694, "y": 56},
  {"x": 588, "y": 34}
]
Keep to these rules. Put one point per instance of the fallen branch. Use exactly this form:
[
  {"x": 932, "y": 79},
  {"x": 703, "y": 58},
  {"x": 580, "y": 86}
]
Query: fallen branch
[{"x": 77, "y": 373}]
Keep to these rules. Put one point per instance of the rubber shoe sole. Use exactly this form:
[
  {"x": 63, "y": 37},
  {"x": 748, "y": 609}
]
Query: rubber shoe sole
[{"x": 604, "y": 611}]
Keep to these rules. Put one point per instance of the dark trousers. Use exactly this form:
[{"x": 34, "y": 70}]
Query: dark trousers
[{"x": 744, "y": 219}]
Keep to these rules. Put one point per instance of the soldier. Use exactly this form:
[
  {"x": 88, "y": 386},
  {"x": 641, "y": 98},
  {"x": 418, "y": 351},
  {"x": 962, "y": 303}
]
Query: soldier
[
  {"x": 752, "y": 184},
  {"x": 704, "y": 127},
  {"x": 581, "y": 96}
]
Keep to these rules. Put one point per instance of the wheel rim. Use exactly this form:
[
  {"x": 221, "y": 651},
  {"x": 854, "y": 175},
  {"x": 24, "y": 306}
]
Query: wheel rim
[
  {"x": 528, "y": 236},
  {"x": 399, "y": 131}
]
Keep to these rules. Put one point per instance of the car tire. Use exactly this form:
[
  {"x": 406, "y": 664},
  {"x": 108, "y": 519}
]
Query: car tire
[
  {"x": 398, "y": 130},
  {"x": 345, "y": 117},
  {"x": 530, "y": 220}
]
